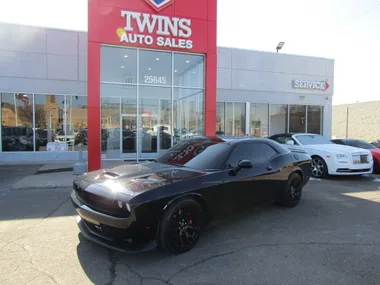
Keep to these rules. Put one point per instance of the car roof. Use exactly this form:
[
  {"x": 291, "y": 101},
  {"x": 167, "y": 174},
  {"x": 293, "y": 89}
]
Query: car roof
[{"x": 245, "y": 139}]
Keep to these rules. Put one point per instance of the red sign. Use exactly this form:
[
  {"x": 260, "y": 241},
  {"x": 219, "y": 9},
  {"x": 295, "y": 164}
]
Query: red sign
[{"x": 174, "y": 25}]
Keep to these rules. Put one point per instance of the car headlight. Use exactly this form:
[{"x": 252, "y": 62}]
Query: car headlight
[
  {"x": 122, "y": 205},
  {"x": 341, "y": 156}
]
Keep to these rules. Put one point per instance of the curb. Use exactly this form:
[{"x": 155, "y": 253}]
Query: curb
[{"x": 56, "y": 170}]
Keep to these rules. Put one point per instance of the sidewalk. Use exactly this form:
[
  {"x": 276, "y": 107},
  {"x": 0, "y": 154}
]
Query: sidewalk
[{"x": 55, "y": 175}]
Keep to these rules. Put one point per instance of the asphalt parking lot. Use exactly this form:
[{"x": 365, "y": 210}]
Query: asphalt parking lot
[{"x": 332, "y": 237}]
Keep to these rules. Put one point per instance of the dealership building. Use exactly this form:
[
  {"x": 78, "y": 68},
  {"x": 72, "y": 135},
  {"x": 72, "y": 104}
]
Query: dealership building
[{"x": 147, "y": 74}]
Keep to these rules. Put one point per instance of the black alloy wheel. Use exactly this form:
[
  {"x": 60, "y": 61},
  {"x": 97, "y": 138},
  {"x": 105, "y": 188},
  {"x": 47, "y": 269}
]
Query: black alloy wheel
[
  {"x": 292, "y": 192},
  {"x": 181, "y": 226},
  {"x": 318, "y": 167}
]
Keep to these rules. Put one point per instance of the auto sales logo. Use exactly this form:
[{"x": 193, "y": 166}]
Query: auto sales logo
[
  {"x": 159, "y": 5},
  {"x": 162, "y": 31}
]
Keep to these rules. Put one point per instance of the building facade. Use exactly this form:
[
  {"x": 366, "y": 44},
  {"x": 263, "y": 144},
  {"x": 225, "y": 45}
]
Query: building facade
[
  {"x": 357, "y": 121},
  {"x": 122, "y": 96}
]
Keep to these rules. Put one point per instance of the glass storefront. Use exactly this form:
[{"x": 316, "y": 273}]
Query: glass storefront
[
  {"x": 34, "y": 122},
  {"x": 235, "y": 119},
  {"x": 314, "y": 119},
  {"x": 297, "y": 118},
  {"x": 259, "y": 120},
  {"x": 267, "y": 119},
  {"x": 150, "y": 100}
]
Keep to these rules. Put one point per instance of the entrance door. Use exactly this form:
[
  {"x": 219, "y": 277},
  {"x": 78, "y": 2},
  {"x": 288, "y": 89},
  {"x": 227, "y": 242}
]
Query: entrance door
[
  {"x": 128, "y": 135},
  {"x": 139, "y": 136}
]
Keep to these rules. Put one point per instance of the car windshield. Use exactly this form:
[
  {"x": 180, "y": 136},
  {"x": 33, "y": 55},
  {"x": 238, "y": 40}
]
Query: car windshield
[
  {"x": 181, "y": 152},
  {"x": 211, "y": 158},
  {"x": 361, "y": 144},
  {"x": 313, "y": 139}
]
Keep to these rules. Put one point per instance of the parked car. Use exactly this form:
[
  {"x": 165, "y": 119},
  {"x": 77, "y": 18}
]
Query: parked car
[
  {"x": 376, "y": 143},
  {"x": 137, "y": 207},
  {"x": 362, "y": 144},
  {"x": 329, "y": 158}
]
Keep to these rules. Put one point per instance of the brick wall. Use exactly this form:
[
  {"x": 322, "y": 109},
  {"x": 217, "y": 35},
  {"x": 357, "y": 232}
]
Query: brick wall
[{"x": 358, "y": 121}]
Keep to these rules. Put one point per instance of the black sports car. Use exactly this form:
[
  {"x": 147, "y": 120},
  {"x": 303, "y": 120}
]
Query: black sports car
[{"x": 137, "y": 207}]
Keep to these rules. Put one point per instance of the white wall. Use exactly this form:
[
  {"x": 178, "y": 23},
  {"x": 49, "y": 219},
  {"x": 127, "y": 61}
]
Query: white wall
[{"x": 266, "y": 77}]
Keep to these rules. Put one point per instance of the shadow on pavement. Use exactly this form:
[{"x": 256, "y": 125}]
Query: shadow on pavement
[{"x": 35, "y": 204}]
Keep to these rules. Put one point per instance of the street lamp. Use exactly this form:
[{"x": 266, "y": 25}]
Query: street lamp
[{"x": 279, "y": 46}]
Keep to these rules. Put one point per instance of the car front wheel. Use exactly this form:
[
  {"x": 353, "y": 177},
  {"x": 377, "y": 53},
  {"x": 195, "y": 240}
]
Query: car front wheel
[
  {"x": 318, "y": 167},
  {"x": 181, "y": 226}
]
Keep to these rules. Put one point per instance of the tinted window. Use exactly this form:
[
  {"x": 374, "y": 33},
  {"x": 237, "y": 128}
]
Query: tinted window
[
  {"x": 183, "y": 151},
  {"x": 313, "y": 139},
  {"x": 212, "y": 157},
  {"x": 255, "y": 152},
  {"x": 338, "y": 142},
  {"x": 361, "y": 144}
]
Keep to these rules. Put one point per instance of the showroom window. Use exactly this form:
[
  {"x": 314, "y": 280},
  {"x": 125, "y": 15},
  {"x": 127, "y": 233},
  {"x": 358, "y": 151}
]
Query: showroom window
[
  {"x": 17, "y": 122},
  {"x": 31, "y": 121},
  {"x": 118, "y": 65},
  {"x": 162, "y": 102},
  {"x": 235, "y": 119},
  {"x": 49, "y": 119},
  {"x": 220, "y": 118},
  {"x": 259, "y": 119},
  {"x": 278, "y": 119},
  {"x": 76, "y": 122},
  {"x": 315, "y": 119},
  {"x": 188, "y": 70},
  {"x": 297, "y": 119}
]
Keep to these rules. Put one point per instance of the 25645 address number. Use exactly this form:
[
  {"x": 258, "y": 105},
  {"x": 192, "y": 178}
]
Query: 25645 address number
[{"x": 155, "y": 80}]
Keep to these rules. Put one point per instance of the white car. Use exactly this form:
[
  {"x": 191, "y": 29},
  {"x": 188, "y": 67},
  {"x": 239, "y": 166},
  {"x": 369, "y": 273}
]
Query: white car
[{"x": 329, "y": 158}]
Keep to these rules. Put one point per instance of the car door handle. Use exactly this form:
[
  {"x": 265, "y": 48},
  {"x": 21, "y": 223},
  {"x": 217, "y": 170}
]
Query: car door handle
[{"x": 269, "y": 168}]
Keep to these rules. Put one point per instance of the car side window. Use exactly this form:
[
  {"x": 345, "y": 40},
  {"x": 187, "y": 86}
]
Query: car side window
[
  {"x": 262, "y": 152},
  {"x": 255, "y": 152}
]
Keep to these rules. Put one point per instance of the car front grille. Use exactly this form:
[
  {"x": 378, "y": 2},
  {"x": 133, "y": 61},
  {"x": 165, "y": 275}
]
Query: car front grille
[{"x": 360, "y": 159}]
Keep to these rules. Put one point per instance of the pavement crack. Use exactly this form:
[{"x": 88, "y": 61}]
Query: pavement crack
[
  {"x": 51, "y": 213},
  {"x": 262, "y": 245},
  {"x": 51, "y": 277},
  {"x": 10, "y": 242},
  {"x": 112, "y": 268}
]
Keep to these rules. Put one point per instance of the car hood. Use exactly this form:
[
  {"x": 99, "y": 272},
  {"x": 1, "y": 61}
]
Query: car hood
[
  {"x": 336, "y": 148},
  {"x": 131, "y": 179}
]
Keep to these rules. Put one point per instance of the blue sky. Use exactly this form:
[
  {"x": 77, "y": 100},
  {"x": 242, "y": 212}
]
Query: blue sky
[{"x": 345, "y": 30}]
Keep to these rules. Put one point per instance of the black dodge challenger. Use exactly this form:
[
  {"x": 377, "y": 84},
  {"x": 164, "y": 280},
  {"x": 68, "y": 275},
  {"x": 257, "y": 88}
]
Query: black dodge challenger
[{"x": 137, "y": 207}]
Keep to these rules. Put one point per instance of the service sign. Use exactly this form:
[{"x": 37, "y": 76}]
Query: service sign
[{"x": 311, "y": 85}]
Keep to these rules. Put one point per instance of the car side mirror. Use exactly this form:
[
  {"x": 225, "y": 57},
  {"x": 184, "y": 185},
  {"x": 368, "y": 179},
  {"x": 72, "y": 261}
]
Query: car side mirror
[
  {"x": 244, "y": 164},
  {"x": 290, "y": 142}
]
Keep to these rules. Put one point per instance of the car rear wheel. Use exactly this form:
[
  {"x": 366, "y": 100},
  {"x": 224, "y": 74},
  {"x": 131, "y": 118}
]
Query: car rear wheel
[
  {"x": 181, "y": 226},
  {"x": 292, "y": 192},
  {"x": 318, "y": 167}
]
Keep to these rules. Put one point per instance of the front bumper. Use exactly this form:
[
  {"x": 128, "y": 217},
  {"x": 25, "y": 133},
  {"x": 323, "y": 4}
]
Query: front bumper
[
  {"x": 350, "y": 168},
  {"x": 115, "y": 233}
]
